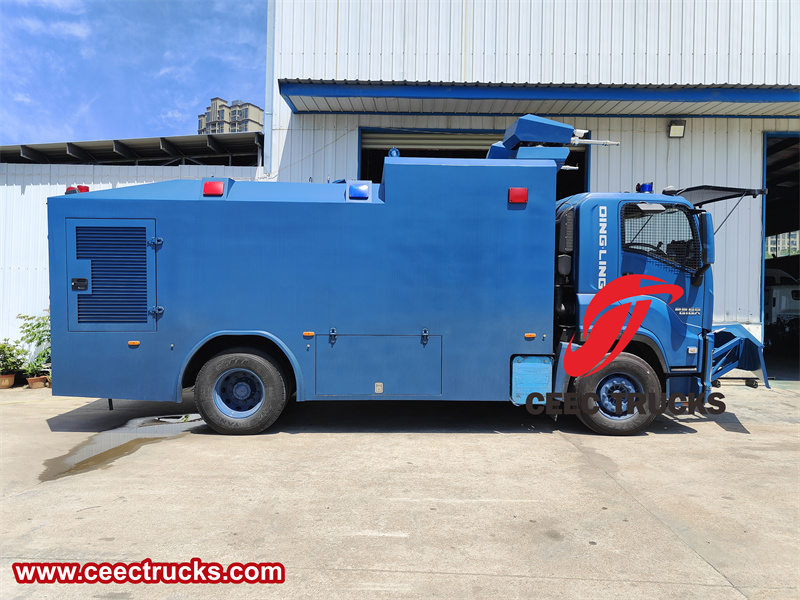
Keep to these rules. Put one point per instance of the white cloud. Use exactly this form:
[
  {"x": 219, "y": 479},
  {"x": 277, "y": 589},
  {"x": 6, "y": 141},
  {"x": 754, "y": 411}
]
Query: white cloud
[
  {"x": 73, "y": 7},
  {"x": 84, "y": 108},
  {"x": 77, "y": 30},
  {"x": 59, "y": 29},
  {"x": 22, "y": 98},
  {"x": 181, "y": 72}
]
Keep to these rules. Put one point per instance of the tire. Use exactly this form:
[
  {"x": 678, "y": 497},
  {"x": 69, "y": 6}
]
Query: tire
[
  {"x": 240, "y": 393},
  {"x": 627, "y": 373}
]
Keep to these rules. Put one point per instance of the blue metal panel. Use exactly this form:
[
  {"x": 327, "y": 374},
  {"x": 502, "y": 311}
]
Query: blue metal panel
[
  {"x": 570, "y": 115},
  {"x": 736, "y": 348},
  {"x": 380, "y": 366},
  {"x": 530, "y": 374},
  {"x": 541, "y": 92}
]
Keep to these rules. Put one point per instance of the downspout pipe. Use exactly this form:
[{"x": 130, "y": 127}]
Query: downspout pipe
[{"x": 269, "y": 101}]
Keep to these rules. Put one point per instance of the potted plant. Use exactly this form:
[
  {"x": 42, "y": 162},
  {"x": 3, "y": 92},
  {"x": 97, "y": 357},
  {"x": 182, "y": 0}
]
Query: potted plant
[
  {"x": 36, "y": 333},
  {"x": 35, "y": 371},
  {"x": 12, "y": 357}
]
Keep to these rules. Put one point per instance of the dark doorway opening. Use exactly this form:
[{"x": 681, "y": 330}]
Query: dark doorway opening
[
  {"x": 782, "y": 254},
  {"x": 782, "y": 180}
]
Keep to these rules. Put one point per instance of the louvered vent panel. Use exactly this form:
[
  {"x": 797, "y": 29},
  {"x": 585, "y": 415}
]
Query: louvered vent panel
[{"x": 119, "y": 274}]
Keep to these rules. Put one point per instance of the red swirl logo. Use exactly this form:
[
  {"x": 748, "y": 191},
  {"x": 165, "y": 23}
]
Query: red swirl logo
[{"x": 603, "y": 328}]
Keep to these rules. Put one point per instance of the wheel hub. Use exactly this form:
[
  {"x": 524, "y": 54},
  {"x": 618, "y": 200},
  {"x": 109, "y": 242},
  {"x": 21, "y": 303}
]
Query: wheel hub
[
  {"x": 238, "y": 393},
  {"x": 608, "y": 390},
  {"x": 241, "y": 390}
]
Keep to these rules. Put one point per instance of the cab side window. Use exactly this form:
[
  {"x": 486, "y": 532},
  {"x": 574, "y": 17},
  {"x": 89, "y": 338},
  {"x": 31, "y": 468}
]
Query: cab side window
[{"x": 669, "y": 236}]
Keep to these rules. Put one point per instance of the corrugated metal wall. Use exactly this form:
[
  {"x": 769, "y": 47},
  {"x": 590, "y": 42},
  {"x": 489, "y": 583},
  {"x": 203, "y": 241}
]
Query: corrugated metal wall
[
  {"x": 24, "y": 286},
  {"x": 688, "y": 42}
]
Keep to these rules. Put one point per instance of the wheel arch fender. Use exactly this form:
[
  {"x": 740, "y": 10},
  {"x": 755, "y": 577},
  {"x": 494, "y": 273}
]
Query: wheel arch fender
[
  {"x": 648, "y": 348},
  {"x": 644, "y": 345},
  {"x": 220, "y": 341}
]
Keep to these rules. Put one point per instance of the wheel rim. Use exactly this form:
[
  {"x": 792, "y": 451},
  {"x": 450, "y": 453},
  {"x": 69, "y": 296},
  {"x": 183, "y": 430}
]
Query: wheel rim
[
  {"x": 238, "y": 393},
  {"x": 616, "y": 383}
]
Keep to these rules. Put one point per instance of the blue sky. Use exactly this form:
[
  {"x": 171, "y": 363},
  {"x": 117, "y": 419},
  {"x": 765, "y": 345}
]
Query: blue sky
[{"x": 78, "y": 70}]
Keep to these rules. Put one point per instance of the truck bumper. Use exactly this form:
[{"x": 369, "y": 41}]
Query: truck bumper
[{"x": 733, "y": 347}]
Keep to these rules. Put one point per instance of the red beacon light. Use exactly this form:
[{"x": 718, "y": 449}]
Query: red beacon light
[
  {"x": 213, "y": 188},
  {"x": 77, "y": 189},
  {"x": 518, "y": 195}
]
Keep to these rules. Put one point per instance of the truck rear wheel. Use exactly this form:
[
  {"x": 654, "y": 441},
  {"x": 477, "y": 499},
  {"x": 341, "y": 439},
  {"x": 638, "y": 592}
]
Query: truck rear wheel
[
  {"x": 240, "y": 393},
  {"x": 627, "y": 374}
]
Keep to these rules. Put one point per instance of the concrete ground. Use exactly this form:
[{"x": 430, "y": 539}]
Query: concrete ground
[{"x": 408, "y": 500}]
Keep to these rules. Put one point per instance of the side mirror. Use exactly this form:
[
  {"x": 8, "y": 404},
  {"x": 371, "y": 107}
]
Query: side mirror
[
  {"x": 706, "y": 247},
  {"x": 707, "y": 238}
]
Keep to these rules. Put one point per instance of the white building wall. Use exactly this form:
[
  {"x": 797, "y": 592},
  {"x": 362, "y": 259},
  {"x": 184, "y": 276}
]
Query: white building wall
[
  {"x": 613, "y": 42},
  {"x": 24, "y": 189}
]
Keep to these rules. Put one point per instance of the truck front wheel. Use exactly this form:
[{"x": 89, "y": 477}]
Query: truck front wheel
[
  {"x": 626, "y": 375},
  {"x": 240, "y": 393}
]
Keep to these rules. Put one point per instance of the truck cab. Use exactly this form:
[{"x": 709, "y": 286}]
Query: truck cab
[{"x": 604, "y": 237}]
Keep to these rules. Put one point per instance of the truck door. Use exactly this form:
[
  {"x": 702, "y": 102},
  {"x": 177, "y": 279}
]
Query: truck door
[
  {"x": 111, "y": 270},
  {"x": 662, "y": 240}
]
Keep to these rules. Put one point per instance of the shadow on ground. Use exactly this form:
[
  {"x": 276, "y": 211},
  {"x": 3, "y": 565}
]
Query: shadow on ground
[
  {"x": 782, "y": 366},
  {"x": 356, "y": 417}
]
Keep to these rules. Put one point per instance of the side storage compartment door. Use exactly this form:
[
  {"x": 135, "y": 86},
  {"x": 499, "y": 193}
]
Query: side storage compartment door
[
  {"x": 378, "y": 365},
  {"x": 111, "y": 274}
]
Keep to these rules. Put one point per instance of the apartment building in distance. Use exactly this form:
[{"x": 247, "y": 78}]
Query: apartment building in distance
[{"x": 222, "y": 118}]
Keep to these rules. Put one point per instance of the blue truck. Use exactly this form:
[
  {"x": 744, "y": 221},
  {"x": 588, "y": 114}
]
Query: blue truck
[{"x": 454, "y": 279}]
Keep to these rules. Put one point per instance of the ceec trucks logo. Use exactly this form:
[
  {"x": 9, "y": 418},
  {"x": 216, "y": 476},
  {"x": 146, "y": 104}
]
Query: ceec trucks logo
[{"x": 603, "y": 325}]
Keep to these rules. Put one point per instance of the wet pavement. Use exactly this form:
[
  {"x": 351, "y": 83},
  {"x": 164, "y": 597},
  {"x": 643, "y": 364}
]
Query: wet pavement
[
  {"x": 103, "y": 448},
  {"x": 409, "y": 499}
]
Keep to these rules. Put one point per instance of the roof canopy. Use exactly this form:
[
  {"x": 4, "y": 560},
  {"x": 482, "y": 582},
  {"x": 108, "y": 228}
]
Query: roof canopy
[
  {"x": 232, "y": 149},
  {"x": 432, "y": 98}
]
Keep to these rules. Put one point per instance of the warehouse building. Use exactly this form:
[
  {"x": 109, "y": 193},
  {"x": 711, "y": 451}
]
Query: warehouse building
[{"x": 696, "y": 93}]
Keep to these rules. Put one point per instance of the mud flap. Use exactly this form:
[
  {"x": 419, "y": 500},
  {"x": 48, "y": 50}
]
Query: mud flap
[{"x": 736, "y": 348}]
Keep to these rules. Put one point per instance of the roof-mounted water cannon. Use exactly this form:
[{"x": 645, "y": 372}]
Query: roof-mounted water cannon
[
  {"x": 577, "y": 140},
  {"x": 538, "y": 138}
]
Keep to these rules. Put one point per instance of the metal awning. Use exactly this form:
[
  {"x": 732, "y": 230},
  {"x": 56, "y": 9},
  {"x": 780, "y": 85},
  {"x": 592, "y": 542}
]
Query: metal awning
[
  {"x": 232, "y": 149},
  {"x": 435, "y": 98}
]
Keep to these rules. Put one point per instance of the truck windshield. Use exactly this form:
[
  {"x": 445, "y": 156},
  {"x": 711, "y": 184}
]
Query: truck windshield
[{"x": 670, "y": 236}]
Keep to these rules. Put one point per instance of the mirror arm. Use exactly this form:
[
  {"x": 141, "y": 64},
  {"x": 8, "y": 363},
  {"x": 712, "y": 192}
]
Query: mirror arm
[{"x": 697, "y": 278}]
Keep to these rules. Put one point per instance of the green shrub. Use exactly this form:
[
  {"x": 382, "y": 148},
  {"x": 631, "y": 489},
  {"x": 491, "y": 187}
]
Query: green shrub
[
  {"x": 12, "y": 357},
  {"x": 35, "y": 367},
  {"x": 36, "y": 333}
]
